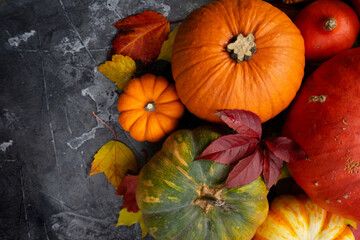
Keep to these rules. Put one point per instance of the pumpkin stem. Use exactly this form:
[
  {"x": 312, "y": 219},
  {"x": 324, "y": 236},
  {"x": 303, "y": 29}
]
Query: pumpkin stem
[
  {"x": 330, "y": 24},
  {"x": 243, "y": 48},
  {"x": 150, "y": 106},
  {"x": 209, "y": 198}
]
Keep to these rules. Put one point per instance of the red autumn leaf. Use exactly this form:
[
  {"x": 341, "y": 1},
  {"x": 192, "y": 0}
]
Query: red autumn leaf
[
  {"x": 141, "y": 36},
  {"x": 247, "y": 170},
  {"x": 246, "y": 150},
  {"x": 356, "y": 232},
  {"x": 229, "y": 149},
  {"x": 244, "y": 122},
  {"x": 285, "y": 149},
  {"x": 272, "y": 168},
  {"x": 127, "y": 189}
]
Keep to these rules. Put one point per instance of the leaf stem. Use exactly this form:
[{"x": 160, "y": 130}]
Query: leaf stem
[
  {"x": 176, "y": 21},
  {"x": 105, "y": 125}
]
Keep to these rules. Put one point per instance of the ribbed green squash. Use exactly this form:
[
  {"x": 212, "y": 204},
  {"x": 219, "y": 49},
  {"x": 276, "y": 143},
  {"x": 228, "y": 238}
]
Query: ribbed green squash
[{"x": 182, "y": 199}]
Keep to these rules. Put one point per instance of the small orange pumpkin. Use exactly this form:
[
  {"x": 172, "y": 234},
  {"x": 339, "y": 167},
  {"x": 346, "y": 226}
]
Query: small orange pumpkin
[
  {"x": 261, "y": 71},
  {"x": 297, "y": 217},
  {"x": 149, "y": 108}
]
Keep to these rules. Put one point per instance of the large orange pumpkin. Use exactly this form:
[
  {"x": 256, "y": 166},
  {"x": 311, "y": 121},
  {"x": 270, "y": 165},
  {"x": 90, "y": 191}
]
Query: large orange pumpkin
[
  {"x": 149, "y": 108},
  {"x": 261, "y": 71}
]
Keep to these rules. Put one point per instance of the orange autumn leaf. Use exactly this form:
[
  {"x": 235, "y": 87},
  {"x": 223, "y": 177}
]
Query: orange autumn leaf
[
  {"x": 114, "y": 159},
  {"x": 141, "y": 36}
]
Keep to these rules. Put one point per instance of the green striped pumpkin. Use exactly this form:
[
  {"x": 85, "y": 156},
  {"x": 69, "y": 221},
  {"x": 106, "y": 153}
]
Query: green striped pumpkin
[{"x": 182, "y": 199}]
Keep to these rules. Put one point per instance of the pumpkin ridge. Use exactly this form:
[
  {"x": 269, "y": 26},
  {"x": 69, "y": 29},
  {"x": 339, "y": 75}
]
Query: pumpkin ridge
[
  {"x": 245, "y": 83},
  {"x": 206, "y": 227},
  {"x": 290, "y": 206},
  {"x": 153, "y": 116},
  {"x": 148, "y": 115},
  {"x": 145, "y": 94},
  {"x": 213, "y": 72},
  {"x": 254, "y": 66},
  {"x": 166, "y": 210},
  {"x": 243, "y": 220},
  {"x": 326, "y": 224},
  {"x": 213, "y": 12},
  {"x": 167, "y": 158},
  {"x": 160, "y": 125},
  {"x": 137, "y": 120},
  {"x": 165, "y": 115},
  {"x": 122, "y": 109},
  {"x": 228, "y": 20},
  {"x": 213, "y": 76},
  {"x": 164, "y": 99},
  {"x": 184, "y": 230},
  {"x": 243, "y": 198},
  {"x": 269, "y": 41},
  {"x": 225, "y": 229},
  {"x": 272, "y": 29},
  {"x": 283, "y": 220},
  {"x": 235, "y": 82},
  {"x": 209, "y": 45},
  {"x": 136, "y": 96},
  {"x": 194, "y": 64},
  {"x": 169, "y": 102}
]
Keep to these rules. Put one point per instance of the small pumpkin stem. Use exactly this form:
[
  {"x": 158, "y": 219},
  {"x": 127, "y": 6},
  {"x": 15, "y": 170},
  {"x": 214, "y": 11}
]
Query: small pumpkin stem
[
  {"x": 330, "y": 24},
  {"x": 150, "y": 106},
  {"x": 243, "y": 48}
]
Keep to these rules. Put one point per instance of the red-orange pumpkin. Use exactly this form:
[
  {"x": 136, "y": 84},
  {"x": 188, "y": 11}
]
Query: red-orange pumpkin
[
  {"x": 149, "y": 108},
  {"x": 261, "y": 71},
  {"x": 328, "y": 27},
  {"x": 325, "y": 120}
]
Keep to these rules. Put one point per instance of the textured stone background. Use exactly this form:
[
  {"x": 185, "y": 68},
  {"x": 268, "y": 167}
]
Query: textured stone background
[{"x": 49, "y": 87}]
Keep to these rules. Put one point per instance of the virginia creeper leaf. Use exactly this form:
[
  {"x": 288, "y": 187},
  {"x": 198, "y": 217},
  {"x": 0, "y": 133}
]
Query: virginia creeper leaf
[
  {"x": 129, "y": 218},
  {"x": 272, "y": 168},
  {"x": 119, "y": 70},
  {"x": 246, "y": 170},
  {"x": 114, "y": 159},
  {"x": 229, "y": 149},
  {"x": 248, "y": 152},
  {"x": 285, "y": 149},
  {"x": 141, "y": 36},
  {"x": 166, "y": 48},
  {"x": 244, "y": 122},
  {"x": 127, "y": 189}
]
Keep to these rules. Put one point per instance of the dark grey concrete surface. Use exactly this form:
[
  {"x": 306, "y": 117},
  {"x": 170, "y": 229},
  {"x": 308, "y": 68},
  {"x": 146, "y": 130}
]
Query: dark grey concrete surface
[{"x": 49, "y": 87}]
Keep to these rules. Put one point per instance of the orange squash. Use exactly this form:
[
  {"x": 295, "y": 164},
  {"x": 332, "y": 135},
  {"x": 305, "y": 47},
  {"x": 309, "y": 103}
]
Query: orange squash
[
  {"x": 297, "y": 217},
  {"x": 261, "y": 71},
  {"x": 149, "y": 108}
]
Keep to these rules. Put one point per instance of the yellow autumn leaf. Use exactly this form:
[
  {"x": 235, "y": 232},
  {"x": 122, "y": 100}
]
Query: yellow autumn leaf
[
  {"x": 119, "y": 70},
  {"x": 166, "y": 48},
  {"x": 114, "y": 159},
  {"x": 129, "y": 218}
]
